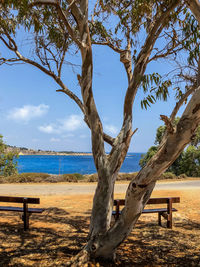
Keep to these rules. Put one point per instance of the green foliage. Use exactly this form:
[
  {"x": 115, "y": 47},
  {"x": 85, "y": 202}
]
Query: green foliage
[
  {"x": 159, "y": 134},
  {"x": 188, "y": 162},
  {"x": 146, "y": 157},
  {"x": 161, "y": 130},
  {"x": 167, "y": 175},
  {"x": 41, "y": 178},
  {"x": 8, "y": 165},
  {"x": 159, "y": 90}
]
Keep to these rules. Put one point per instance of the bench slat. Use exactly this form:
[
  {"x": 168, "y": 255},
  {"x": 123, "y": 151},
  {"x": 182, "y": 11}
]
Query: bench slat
[
  {"x": 149, "y": 210},
  {"x": 18, "y": 209},
  {"x": 30, "y": 200},
  {"x": 157, "y": 210},
  {"x": 161, "y": 200}
]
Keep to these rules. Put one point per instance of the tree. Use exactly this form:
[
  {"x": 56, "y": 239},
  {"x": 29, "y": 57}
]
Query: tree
[
  {"x": 8, "y": 165},
  {"x": 62, "y": 26},
  {"x": 187, "y": 162},
  {"x": 190, "y": 162}
]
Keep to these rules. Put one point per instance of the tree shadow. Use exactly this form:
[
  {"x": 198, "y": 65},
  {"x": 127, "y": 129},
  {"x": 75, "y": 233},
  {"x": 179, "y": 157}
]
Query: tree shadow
[
  {"x": 44, "y": 244},
  {"x": 152, "y": 245},
  {"x": 55, "y": 236}
]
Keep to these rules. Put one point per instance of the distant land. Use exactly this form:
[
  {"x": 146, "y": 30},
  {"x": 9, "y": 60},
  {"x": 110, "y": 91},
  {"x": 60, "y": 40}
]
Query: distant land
[{"x": 27, "y": 151}]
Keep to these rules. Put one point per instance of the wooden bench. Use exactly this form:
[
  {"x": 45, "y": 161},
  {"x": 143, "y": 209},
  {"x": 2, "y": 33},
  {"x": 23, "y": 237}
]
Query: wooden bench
[
  {"x": 165, "y": 212},
  {"x": 25, "y": 209}
]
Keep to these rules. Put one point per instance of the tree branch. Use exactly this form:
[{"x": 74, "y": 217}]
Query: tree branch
[
  {"x": 194, "y": 6},
  {"x": 180, "y": 103},
  {"x": 62, "y": 15},
  {"x": 10, "y": 61},
  {"x": 143, "y": 57},
  {"x": 66, "y": 91},
  {"x": 116, "y": 49},
  {"x": 123, "y": 139},
  {"x": 168, "y": 124}
]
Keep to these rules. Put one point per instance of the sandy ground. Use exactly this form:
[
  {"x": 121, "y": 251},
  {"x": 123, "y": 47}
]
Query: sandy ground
[
  {"x": 60, "y": 232},
  {"x": 85, "y": 188}
]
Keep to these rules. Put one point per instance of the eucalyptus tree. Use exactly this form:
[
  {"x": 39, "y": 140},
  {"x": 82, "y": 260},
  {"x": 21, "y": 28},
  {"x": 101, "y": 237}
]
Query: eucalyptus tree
[{"x": 140, "y": 32}]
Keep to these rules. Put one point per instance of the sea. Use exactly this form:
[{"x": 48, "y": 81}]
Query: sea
[{"x": 83, "y": 164}]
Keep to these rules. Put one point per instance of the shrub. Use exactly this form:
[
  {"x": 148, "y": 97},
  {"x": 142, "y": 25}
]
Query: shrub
[
  {"x": 24, "y": 178},
  {"x": 91, "y": 178},
  {"x": 183, "y": 175},
  {"x": 167, "y": 175},
  {"x": 126, "y": 176},
  {"x": 73, "y": 177},
  {"x": 8, "y": 163}
]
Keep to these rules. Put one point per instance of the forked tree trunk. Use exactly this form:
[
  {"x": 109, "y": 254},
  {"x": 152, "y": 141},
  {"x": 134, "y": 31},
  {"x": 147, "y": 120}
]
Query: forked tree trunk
[{"x": 104, "y": 243}]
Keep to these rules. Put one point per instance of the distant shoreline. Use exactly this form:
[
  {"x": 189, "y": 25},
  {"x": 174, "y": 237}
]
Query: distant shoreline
[{"x": 56, "y": 154}]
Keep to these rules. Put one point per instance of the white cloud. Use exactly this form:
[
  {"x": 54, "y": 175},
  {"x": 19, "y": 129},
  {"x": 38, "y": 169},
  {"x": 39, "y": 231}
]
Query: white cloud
[
  {"x": 53, "y": 139},
  {"x": 69, "y": 124},
  {"x": 111, "y": 129},
  {"x": 48, "y": 129},
  {"x": 27, "y": 112},
  {"x": 72, "y": 123}
]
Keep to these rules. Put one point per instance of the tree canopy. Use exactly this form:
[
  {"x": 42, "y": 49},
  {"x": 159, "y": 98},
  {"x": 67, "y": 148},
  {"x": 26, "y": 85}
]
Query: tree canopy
[{"x": 140, "y": 32}]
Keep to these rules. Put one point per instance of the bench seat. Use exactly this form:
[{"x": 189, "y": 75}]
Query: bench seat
[
  {"x": 148, "y": 211},
  {"x": 26, "y": 211},
  {"x": 164, "y": 212},
  {"x": 19, "y": 209}
]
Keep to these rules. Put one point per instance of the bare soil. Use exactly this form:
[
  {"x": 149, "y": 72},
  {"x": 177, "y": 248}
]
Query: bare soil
[{"x": 60, "y": 232}]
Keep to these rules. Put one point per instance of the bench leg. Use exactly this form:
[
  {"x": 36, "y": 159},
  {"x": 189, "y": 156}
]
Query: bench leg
[
  {"x": 26, "y": 216},
  {"x": 169, "y": 221},
  {"x": 159, "y": 218},
  {"x": 169, "y": 214}
]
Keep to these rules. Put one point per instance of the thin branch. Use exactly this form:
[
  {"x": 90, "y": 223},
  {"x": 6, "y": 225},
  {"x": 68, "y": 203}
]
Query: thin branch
[
  {"x": 143, "y": 57},
  {"x": 10, "y": 44},
  {"x": 68, "y": 26},
  {"x": 169, "y": 52},
  {"x": 70, "y": 6},
  {"x": 62, "y": 60},
  {"x": 10, "y": 61},
  {"x": 66, "y": 91},
  {"x": 168, "y": 124},
  {"x": 180, "y": 103},
  {"x": 116, "y": 49}
]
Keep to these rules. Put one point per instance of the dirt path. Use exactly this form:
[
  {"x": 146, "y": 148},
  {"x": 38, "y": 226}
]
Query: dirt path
[{"x": 83, "y": 189}]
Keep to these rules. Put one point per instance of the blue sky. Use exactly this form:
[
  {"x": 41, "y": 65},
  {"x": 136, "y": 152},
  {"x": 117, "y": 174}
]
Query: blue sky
[{"x": 34, "y": 115}]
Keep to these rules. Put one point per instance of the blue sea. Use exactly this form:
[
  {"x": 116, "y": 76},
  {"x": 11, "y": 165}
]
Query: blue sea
[{"x": 70, "y": 164}]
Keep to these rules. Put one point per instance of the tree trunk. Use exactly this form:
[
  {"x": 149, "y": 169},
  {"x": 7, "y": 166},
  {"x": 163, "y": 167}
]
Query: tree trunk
[{"x": 104, "y": 243}]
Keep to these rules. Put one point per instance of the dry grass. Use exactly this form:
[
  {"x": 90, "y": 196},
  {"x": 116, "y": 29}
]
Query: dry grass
[{"x": 61, "y": 231}]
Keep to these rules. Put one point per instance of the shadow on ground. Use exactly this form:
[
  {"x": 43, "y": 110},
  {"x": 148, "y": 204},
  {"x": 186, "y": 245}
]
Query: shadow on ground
[{"x": 55, "y": 236}]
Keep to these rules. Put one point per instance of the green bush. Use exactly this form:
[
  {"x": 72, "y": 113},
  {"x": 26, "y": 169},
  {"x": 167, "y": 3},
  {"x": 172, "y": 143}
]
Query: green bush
[
  {"x": 73, "y": 177},
  {"x": 8, "y": 163},
  {"x": 91, "y": 178},
  {"x": 126, "y": 176},
  {"x": 183, "y": 175},
  {"x": 24, "y": 178},
  {"x": 167, "y": 175}
]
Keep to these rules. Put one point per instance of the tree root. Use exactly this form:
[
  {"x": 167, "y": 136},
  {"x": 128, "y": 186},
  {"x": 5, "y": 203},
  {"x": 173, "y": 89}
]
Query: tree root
[{"x": 81, "y": 259}]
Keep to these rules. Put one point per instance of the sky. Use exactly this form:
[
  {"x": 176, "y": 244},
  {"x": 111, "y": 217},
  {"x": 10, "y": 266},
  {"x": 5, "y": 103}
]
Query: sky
[{"x": 35, "y": 116}]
